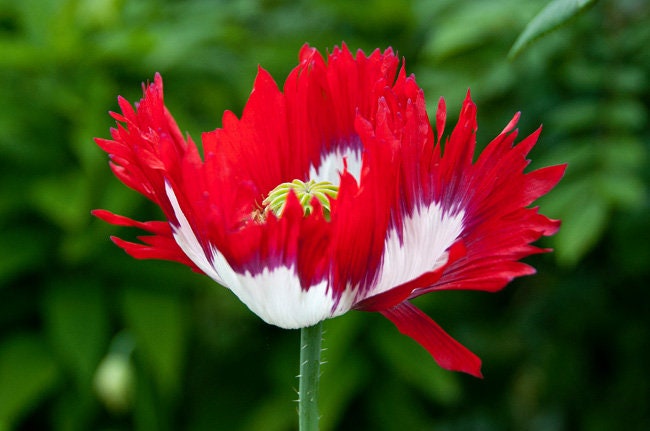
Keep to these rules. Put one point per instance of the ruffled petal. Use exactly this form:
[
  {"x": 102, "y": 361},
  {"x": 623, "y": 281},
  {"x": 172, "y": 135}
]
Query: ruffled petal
[
  {"x": 147, "y": 144},
  {"x": 161, "y": 245},
  {"x": 256, "y": 148},
  {"x": 483, "y": 204},
  {"x": 147, "y": 151},
  {"x": 361, "y": 213},
  {"x": 494, "y": 193},
  {"x": 422, "y": 226}
]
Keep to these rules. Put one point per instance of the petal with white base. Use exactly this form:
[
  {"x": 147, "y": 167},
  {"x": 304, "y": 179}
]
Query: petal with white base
[
  {"x": 333, "y": 163},
  {"x": 274, "y": 294},
  {"x": 422, "y": 247}
]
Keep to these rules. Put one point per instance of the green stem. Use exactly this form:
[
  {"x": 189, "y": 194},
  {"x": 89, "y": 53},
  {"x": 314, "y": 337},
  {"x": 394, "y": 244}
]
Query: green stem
[{"x": 310, "y": 342}]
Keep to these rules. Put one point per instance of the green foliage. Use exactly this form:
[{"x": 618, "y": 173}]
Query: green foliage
[
  {"x": 565, "y": 349},
  {"x": 28, "y": 372},
  {"x": 554, "y": 14},
  {"x": 76, "y": 319},
  {"x": 158, "y": 323}
]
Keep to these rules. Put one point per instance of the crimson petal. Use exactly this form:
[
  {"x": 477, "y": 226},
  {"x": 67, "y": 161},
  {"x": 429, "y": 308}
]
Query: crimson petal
[{"x": 447, "y": 352}]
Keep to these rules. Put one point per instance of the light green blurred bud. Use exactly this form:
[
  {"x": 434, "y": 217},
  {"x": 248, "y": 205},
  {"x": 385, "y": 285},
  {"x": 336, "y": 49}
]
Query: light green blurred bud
[{"x": 114, "y": 380}]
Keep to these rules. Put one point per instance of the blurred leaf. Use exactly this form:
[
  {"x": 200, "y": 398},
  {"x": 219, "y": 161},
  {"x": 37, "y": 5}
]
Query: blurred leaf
[
  {"x": 64, "y": 199},
  {"x": 412, "y": 364},
  {"x": 158, "y": 323},
  {"x": 627, "y": 114},
  {"x": 339, "y": 385},
  {"x": 77, "y": 323},
  {"x": 395, "y": 407},
  {"x": 623, "y": 153},
  {"x": 147, "y": 414},
  {"x": 273, "y": 414},
  {"x": 21, "y": 250},
  {"x": 453, "y": 35},
  {"x": 584, "y": 214},
  {"x": 632, "y": 257},
  {"x": 98, "y": 13},
  {"x": 344, "y": 370},
  {"x": 341, "y": 335},
  {"x": 554, "y": 14},
  {"x": 72, "y": 411},
  {"x": 622, "y": 189},
  {"x": 27, "y": 373},
  {"x": 575, "y": 116}
]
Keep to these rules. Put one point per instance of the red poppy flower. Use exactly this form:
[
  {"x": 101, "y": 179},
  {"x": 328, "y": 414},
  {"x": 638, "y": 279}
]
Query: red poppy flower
[{"x": 378, "y": 212}]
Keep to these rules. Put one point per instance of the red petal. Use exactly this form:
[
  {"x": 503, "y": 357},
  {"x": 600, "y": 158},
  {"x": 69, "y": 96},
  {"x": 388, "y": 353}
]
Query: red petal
[
  {"x": 157, "y": 227},
  {"x": 361, "y": 214},
  {"x": 494, "y": 194},
  {"x": 161, "y": 245},
  {"x": 164, "y": 249},
  {"x": 447, "y": 352},
  {"x": 147, "y": 146},
  {"x": 400, "y": 293}
]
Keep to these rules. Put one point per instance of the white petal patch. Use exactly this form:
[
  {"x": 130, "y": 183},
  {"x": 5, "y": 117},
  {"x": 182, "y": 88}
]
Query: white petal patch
[
  {"x": 331, "y": 166},
  {"x": 427, "y": 234},
  {"x": 187, "y": 241},
  {"x": 274, "y": 294}
]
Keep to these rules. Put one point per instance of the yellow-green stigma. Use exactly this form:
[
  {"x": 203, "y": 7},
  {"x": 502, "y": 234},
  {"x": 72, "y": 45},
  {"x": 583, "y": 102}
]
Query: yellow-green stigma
[{"x": 305, "y": 192}]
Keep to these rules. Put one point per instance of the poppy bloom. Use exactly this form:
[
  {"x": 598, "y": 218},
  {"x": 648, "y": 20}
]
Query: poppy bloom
[{"x": 335, "y": 194}]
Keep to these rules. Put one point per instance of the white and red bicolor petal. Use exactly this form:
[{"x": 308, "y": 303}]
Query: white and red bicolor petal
[
  {"x": 275, "y": 292},
  {"x": 475, "y": 228},
  {"x": 409, "y": 218}
]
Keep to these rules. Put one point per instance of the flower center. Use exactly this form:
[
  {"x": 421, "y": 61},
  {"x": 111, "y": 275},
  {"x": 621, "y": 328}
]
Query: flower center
[{"x": 305, "y": 192}]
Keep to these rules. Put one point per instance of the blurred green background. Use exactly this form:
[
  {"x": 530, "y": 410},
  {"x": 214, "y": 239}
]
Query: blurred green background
[{"x": 91, "y": 339}]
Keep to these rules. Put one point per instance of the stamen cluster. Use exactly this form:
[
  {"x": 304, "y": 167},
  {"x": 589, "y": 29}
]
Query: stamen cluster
[{"x": 324, "y": 191}]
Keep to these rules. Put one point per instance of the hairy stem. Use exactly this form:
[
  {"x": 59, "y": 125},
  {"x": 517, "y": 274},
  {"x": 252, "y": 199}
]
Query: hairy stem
[{"x": 310, "y": 346}]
